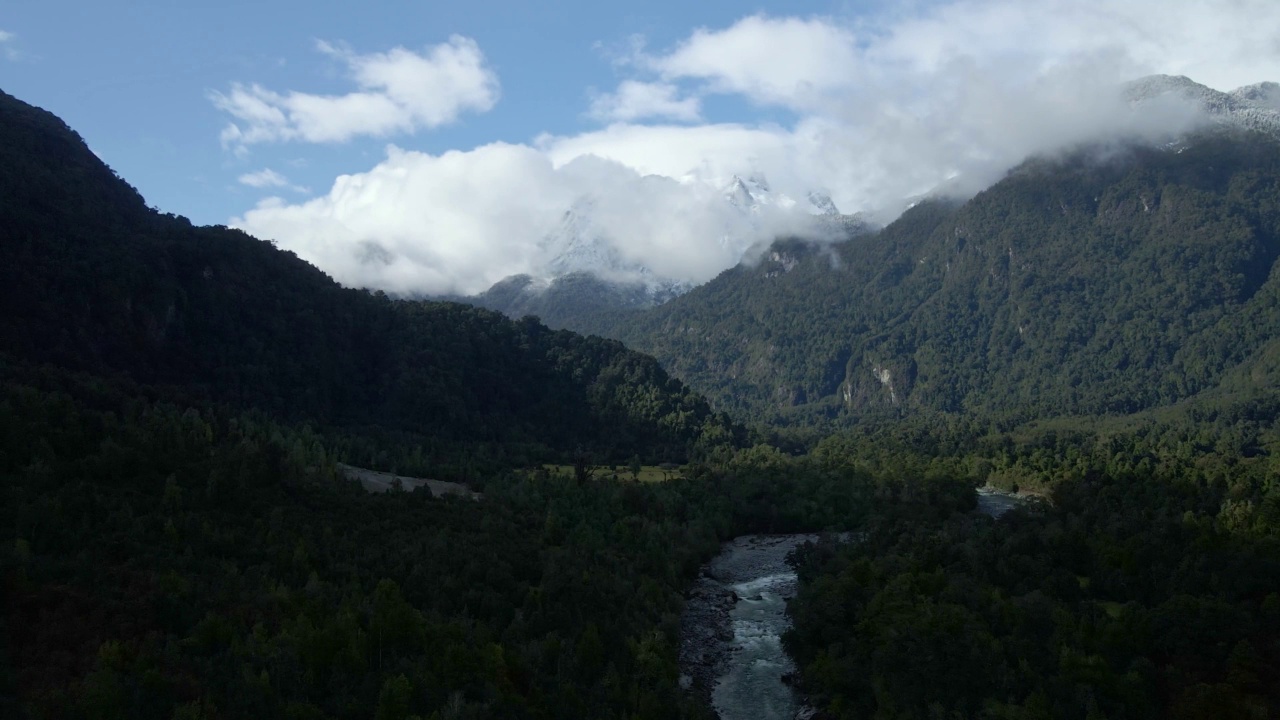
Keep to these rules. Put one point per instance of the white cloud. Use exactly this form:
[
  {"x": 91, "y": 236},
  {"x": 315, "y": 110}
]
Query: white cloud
[
  {"x": 891, "y": 106},
  {"x": 264, "y": 178},
  {"x": 641, "y": 100},
  {"x": 400, "y": 91},
  {"x": 1222, "y": 43},
  {"x": 881, "y": 109},
  {"x": 418, "y": 222},
  {"x": 461, "y": 221},
  {"x": 268, "y": 178},
  {"x": 709, "y": 151},
  {"x": 784, "y": 61},
  {"x": 805, "y": 63}
]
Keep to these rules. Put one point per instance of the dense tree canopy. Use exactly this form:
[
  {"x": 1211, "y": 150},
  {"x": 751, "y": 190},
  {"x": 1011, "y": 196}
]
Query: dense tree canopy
[
  {"x": 94, "y": 281},
  {"x": 176, "y": 540},
  {"x": 1143, "y": 586}
]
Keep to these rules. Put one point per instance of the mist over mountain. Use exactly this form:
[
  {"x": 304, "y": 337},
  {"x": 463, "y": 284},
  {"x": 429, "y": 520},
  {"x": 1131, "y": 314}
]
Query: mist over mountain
[
  {"x": 585, "y": 277},
  {"x": 583, "y": 240},
  {"x": 1251, "y": 107},
  {"x": 584, "y": 274},
  {"x": 868, "y": 144},
  {"x": 1110, "y": 279}
]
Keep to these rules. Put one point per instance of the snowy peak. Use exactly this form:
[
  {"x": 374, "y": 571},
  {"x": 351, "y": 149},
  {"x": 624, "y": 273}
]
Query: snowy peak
[
  {"x": 576, "y": 245},
  {"x": 579, "y": 246},
  {"x": 739, "y": 196},
  {"x": 1148, "y": 88},
  {"x": 581, "y": 249},
  {"x": 822, "y": 203},
  {"x": 1253, "y": 107},
  {"x": 753, "y": 194},
  {"x": 1262, "y": 95}
]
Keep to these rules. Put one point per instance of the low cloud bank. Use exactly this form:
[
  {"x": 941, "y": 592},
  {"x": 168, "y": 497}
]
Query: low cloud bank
[{"x": 883, "y": 110}]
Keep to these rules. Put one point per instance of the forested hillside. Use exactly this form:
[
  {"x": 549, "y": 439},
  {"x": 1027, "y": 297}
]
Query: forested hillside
[
  {"x": 91, "y": 280},
  {"x": 176, "y": 541},
  {"x": 1108, "y": 281}
]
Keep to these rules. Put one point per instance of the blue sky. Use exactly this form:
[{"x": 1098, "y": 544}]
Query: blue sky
[
  {"x": 134, "y": 78},
  {"x": 433, "y": 147}
]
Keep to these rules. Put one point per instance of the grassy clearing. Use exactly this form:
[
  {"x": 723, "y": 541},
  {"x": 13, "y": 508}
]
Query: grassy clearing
[
  {"x": 1112, "y": 609},
  {"x": 648, "y": 473}
]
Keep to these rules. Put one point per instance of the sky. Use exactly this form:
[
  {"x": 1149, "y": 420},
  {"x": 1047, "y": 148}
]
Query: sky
[{"x": 432, "y": 147}]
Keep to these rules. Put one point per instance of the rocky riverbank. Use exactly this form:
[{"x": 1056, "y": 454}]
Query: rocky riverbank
[{"x": 731, "y": 633}]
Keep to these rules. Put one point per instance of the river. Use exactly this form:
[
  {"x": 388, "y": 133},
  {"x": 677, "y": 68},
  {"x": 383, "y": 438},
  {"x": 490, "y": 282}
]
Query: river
[
  {"x": 731, "y": 631},
  {"x": 731, "y": 649}
]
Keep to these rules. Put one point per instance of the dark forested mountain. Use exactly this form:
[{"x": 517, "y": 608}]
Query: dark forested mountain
[
  {"x": 177, "y": 541},
  {"x": 92, "y": 280},
  {"x": 1110, "y": 280}
]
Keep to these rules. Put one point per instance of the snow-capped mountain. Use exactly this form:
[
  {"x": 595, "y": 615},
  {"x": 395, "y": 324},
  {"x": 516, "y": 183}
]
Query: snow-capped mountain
[
  {"x": 816, "y": 215},
  {"x": 581, "y": 245},
  {"x": 583, "y": 269},
  {"x": 822, "y": 203},
  {"x": 752, "y": 195},
  {"x": 1253, "y": 107}
]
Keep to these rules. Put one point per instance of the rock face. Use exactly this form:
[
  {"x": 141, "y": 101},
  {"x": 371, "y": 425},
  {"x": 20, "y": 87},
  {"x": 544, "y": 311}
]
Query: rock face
[{"x": 705, "y": 634}]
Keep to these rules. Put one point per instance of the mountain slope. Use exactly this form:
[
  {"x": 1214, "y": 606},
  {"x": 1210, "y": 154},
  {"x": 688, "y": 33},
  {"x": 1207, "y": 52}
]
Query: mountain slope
[
  {"x": 1103, "y": 282},
  {"x": 93, "y": 281}
]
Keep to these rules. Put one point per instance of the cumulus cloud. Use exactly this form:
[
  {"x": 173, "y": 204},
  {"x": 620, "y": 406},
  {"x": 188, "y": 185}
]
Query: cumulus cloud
[
  {"x": 875, "y": 111},
  {"x": 1222, "y": 43},
  {"x": 268, "y": 178},
  {"x": 784, "y": 61},
  {"x": 460, "y": 221},
  {"x": 425, "y": 223},
  {"x": 678, "y": 151},
  {"x": 803, "y": 62},
  {"x": 399, "y": 91},
  {"x": 641, "y": 100}
]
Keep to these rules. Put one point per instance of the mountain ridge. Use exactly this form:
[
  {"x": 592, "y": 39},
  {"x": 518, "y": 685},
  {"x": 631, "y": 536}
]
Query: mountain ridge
[
  {"x": 1119, "y": 246},
  {"x": 212, "y": 315},
  {"x": 621, "y": 286}
]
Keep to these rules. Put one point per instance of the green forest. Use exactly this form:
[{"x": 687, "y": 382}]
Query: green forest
[
  {"x": 1102, "y": 282},
  {"x": 177, "y": 540},
  {"x": 1140, "y": 580}
]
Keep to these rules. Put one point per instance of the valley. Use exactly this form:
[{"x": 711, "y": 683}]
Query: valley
[{"x": 232, "y": 487}]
